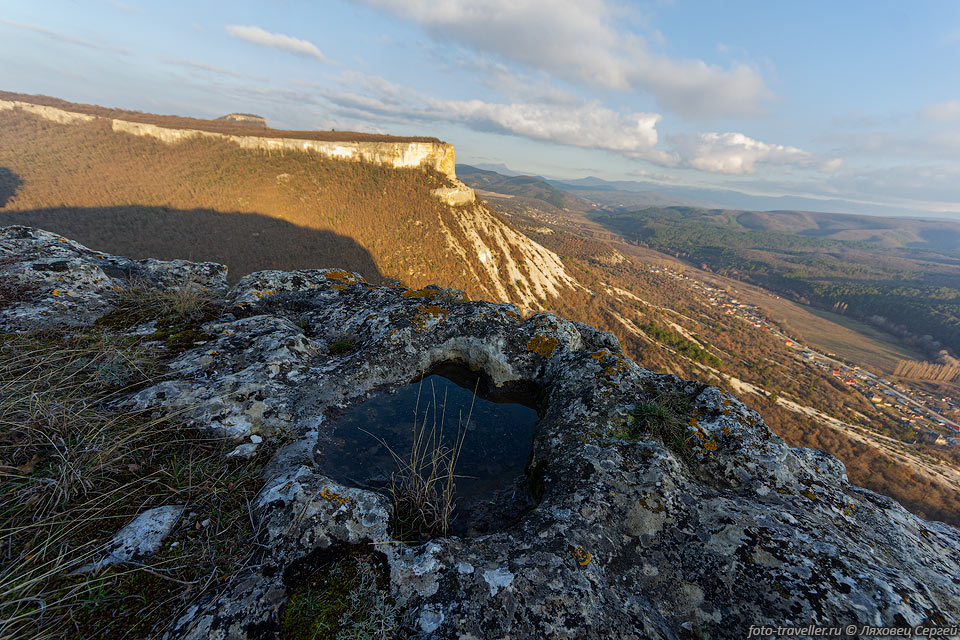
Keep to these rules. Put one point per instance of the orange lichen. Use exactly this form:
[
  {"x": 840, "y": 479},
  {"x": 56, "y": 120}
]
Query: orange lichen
[
  {"x": 421, "y": 293},
  {"x": 617, "y": 367},
  {"x": 582, "y": 557},
  {"x": 342, "y": 276},
  {"x": 430, "y": 312},
  {"x": 339, "y": 287},
  {"x": 335, "y": 497},
  {"x": 542, "y": 345},
  {"x": 710, "y": 445}
]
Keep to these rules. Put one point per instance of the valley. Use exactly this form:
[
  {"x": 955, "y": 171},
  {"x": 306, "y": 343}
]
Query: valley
[
  {"x": 533, "y": 245},
  {"x": 869, "y": 419}
]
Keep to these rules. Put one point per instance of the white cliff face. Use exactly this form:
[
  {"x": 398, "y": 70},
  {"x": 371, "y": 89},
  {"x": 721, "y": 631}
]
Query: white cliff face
[
  {"x": 48, "y": 113},
  {"x": 402, "y": 155},
  {"x": 509, "y": 259}
]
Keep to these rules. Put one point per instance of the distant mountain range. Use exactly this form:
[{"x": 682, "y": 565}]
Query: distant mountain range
[{"x": 633, "y": 194}]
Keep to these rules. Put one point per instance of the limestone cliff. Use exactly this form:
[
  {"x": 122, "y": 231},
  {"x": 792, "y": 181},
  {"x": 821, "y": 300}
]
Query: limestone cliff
[
  {"x": 428, "y": 155},
  {"x": 630, "y": 537}
]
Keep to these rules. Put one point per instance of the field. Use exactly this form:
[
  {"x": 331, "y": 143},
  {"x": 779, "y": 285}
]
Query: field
[
  {"x": 829, "y": 332},
  {"x": 899, "y": 276}
]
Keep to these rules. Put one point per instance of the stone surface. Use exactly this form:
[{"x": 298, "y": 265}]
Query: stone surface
[
  {"x": 629, "y": 539},
  {"x": 48, "y": 281},
  {"x": 140, "y": 539},
  {"x": 455, "y": 196}
]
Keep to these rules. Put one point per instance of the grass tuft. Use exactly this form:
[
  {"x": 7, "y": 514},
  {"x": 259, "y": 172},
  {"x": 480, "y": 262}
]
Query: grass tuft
[
  {"x": 423, "y": 490},
  {"x": 664, "y": 418},
  {"x": 76, "y": 469},
  {"x": 342, "y": 346}
]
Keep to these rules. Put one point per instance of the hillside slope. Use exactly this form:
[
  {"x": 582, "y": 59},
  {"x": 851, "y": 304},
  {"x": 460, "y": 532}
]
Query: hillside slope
[
  {"x": 255, "y": 210},
  {"x": 207, "y": 199}
]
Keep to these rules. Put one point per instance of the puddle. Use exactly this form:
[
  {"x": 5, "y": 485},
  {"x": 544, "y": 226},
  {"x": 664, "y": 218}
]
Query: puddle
[{"x": 491, "y": 487}]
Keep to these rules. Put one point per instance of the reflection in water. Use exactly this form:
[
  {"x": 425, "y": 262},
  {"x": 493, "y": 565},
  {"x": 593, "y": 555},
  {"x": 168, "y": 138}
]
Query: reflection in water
[{"x": 497, "y": 435}]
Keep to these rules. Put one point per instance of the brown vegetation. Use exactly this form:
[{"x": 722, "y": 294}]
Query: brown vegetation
[
  {"x": 209, "y": 200},
  {"x": 927, "y": 371},
  {"x": 75, "y": 469},
  {"x": 215, "y": 126}
]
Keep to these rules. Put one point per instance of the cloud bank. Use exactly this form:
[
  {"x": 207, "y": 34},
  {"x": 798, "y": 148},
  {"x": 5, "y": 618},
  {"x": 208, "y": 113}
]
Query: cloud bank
[{"x": 579, "y": 41}]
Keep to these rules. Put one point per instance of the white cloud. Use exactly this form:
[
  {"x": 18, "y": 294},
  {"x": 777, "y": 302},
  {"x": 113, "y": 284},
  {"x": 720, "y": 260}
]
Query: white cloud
[
  {"x": 942, "y": 112},
  {"x": 738, "y": 154},
  {"x": 263, "y": 38},
  {"x": 579, "y": 40},
  {"x": 588, "y": 125}
]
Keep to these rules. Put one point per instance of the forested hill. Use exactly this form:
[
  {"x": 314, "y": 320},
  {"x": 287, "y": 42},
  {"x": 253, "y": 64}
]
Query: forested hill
[{"x": 900, "y": 275}]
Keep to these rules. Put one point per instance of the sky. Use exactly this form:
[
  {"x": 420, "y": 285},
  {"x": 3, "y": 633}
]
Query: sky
[{"x": 833, "y": 101}]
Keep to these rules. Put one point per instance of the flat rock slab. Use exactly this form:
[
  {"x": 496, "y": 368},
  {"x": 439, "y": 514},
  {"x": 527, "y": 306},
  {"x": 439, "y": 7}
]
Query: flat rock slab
[{"x": 140, "y": 539}]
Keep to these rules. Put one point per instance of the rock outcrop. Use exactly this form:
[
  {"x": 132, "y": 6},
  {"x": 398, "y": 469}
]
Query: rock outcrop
[
  {"x": 427, "y": 155},
  {"x": 632, "y": 535},
  {"x": 245, "y": 118}
]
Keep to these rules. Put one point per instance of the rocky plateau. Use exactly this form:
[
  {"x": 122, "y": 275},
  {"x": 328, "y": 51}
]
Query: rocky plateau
[{"x": 629, "y": 537}]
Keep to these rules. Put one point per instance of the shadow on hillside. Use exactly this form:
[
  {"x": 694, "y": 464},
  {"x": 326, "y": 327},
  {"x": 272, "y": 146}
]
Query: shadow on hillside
[
  {"x": 245, "y": 242},
  {"x": 9, "y": 183}
]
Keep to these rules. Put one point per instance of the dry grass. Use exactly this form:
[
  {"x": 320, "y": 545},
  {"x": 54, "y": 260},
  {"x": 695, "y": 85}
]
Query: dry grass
[
  {"x": 75, "y": 469},
  {"x": 423, "y": 489}
]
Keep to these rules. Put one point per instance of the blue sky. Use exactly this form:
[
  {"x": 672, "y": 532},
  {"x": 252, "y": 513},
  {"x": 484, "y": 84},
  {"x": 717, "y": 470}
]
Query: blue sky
[{"x": 857, "y": 101}]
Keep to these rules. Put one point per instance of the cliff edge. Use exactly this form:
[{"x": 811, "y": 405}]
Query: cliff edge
[
  {"x": 391, "y": 151},
  {"x": 633, "y": 533}
]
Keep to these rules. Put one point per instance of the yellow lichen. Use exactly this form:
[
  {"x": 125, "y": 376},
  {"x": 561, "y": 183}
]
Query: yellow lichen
[
  {"x": 582, "y": 557},
  {"x": 542, "y": 345},
  {"x": 335, "y": 497},
  {"x": 430, "y": 312},
  {"x": 421, "y": 293},
  {"x": 342, "y": 276}
]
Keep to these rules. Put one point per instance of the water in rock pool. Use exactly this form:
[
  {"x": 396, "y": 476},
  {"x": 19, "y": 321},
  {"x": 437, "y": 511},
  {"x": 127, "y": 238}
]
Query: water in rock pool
[{"x": 497, "y": 434}]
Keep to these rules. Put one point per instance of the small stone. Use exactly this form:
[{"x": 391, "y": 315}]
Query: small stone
[
  {"x": 140, "y": 539},
  {"x": 255, "y": 439},
  {"x": 246, "y": 451},
  {"x": 430, "y": 621},
  {"x": 498, "y": 579}
]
